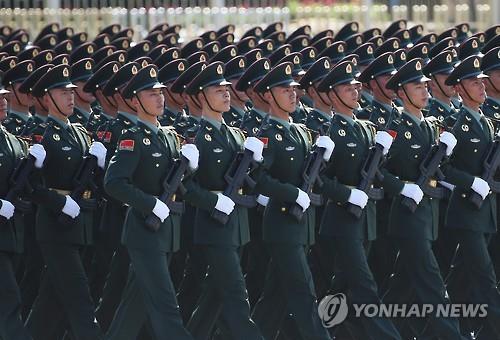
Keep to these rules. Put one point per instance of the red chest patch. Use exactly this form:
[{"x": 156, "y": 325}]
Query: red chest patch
[
  {"x": 127, "y": 145},
  {"x": 264, "y": 140}
]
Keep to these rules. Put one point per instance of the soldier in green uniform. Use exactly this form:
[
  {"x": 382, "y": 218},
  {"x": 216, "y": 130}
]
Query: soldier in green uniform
[
  {"x": 346, "y": 234},
  {"x": 144, "y": 155},
  {"x": 417, "y": 273},
  {"x": 365, "y": 53},
  {"x": 234, "y": 69},
  {"x": 19, "y": 103},
  {"x": 174, "y": 104},
  {"x": 289, "y": 286},
  {"x": 254, "y": 117},
  {"x": 491, "y": 66},
  {"x": 472, "y": 227},
  {"x": 95, "y": 85},
  {"x": 438, "y": 70},
  {"x": 382, "y": 112},
  {"x": 12, "y": 150},
  {"x": 64, "y": 291},
  {"x": 225, "y": 296}
]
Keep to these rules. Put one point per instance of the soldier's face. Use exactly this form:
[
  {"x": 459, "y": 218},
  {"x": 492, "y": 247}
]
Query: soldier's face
[
  {"x": 19, "y": 98},
  {"x": 437, "y": 84},
  {"x": 417, "y": 93},
  {"x": 285, "y": 96},
  {"x": 152, "y": 100},
  {"x": 238, "y": 95},
  {"x": 85, "y": 96},
  {"x": 380, "y": 89},
  {"x": 475, "y": 89},
  {"x": 3, "y": 107},
  {"x": 219, "y": 98},
  {"x": 493, "y": 84},
  {"x": 64, "y": 99},
  {"x": 348, "y": 93}
]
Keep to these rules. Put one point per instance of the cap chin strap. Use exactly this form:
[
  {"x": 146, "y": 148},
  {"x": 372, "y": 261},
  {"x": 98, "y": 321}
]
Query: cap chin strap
[
  {"x": 440, "y": 87},
  {"x": 409, "y": 98},
  {"x": 83, "y": 100},
  {"x": 493, "y": 85},
  {"x": 123, "y": 99},
  {"x": 208, "y": 102},
  {"x": 277, "y": 103},
  {"x": 236, "y": 94},
  {"x": 142, "y": 106},
  {"x": 40, "y": 102},
  {"x": 382, "y": 90},
  {"x": 321, "y": 97},
  {"x": 343, "y": 102},
  {"x": 468, "y": 95},
  {"x": 55, "y": 104},
  {"x": 15, "y": 94},
  {"x": 171, "y": 96}
]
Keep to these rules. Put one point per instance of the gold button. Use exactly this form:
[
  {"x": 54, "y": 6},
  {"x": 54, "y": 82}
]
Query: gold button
[
  {"x": 283, "y": 209},
  {"x": 291, "y": 158},
  {"x": 157, "y": 165},
  {"x": 69, "y": 158},
  {"x": 352, "y": 155},
  {"x": 475, "y": 150},
  {"x": 463, "y": 195},
  {"x": 416, "y": 156},
  {"x": 218, "y": 161}
]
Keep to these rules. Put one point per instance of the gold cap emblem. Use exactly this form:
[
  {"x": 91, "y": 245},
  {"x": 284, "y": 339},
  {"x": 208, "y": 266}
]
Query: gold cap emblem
[
  {"x": 296, "y": 60},
  {"x": 390, "y": 60},
  {"x": 152, "y": 72},
  {"x": 266, "y": 65},
  {"x": 175, "y": 54},
  {"x": 220, "y": 70},
  {"x": 348, "y": 69},
  {"x": 29, "y": 67},
  {"x": 199, "y": 44},
  {"x": 288, "y": 70},
  {"x": 181, "y": 67},
  {"x": 90, "y": 49},
  {"x": 65, "y": 72},
  {"x": 241, "y": 63},
  {"x": 476, "y": 63},
  {"x": 115, "y": 68},
  {"x": 121, "y": 58},
  {"x": 233, "y": 52},
  {"x": 418, "y": 66},
  {"x": 341, "y": 48},
  {"x": 88, "y": 65},
  {"x": 326, "y": 64},
  {"x": 369, "y": 50},
  {"x": 474, "y": 43},
  {"x": 449, "y": 58},
  {"x": 145, "y": 47}
]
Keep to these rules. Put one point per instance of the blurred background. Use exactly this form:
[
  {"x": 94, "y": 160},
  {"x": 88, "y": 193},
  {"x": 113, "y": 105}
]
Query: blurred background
[{"x": 198, "y": 16}]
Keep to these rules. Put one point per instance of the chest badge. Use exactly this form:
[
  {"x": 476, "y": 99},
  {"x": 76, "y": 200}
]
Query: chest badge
[
  {"x": 475, "y": 140},
  {"x": 341, "y": 132},
  {"x": 496, "y": 115},
  {"x": 56, "y": 137},
  {"x": 66, "y": 148},
  {"x": 217, "y": 150},
  {"x": 290, "y": 148},
  {"x": 381, "y": 120},
  {"x": 415, "y": 146},
  {"x": 156, "y": 154},
  {"x": 146, "y": 141},
  {"x": 208, "y": 138},
  {"x": 408, "y": 135},
  {"x": 278, "y": 137},
  {"x": 351, "y": 145},
  {"x": 465, "y": 127}
]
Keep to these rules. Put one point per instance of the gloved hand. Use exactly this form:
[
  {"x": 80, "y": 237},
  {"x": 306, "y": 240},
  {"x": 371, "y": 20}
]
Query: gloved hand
[
  {"x": 303, "y": 200},
  {"x": 99, "y": 150},
  {"x": 256, "y": 146},
  {"x": 450, "y": 141},
  {"x": 224, "y": 204},
  {"x": 384, "y": 139},
  {"x": 38, "y": 151},
  {"x": 190, "y": 151},
  {"x": 263, "y": 200},
  {"x": 358, "y": 197},
  {"x": 413, "y": 191},
  {"x": 71, "y": 208},
  {"x": 7, "y": 209},
  {"x": 161, "y": 210},
  {"x": 328, "y": 144},
  {"x": 481, "y": 187}
]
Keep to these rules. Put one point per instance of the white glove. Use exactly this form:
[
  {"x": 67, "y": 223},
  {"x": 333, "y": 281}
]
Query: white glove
[
  {"x": 447, "y": 185},
  {"x": 256, "y": 146},
  {"x": 7, "y": 209},
  {"x": 358, "y": 197},
  {"x": 263, "y": 200},
  {"x": 38, "y": 151},
  {"x": 99, "y": 150},
  {"x": 71, "y": 208},
  {"x": 413, "y": 191},
  {"x": 384, "y": 139},
  {"x": 326, "y": 143},
  {"x": 161, "y": 210},
  {"x": 190, "y": 151},
  {"x": 303, "y": 200},
  {"x": 481, "y": 187},
  {"x": 224, "y": 204},
  {"x": 450, "y": 141}
]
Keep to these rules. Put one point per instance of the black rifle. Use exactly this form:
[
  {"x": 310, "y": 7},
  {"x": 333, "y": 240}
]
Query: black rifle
[
  {"x": 490, "y": 166},
  {"x": 429, "y": 170},
  {"x": 370, "y": 172},
  {"x": 237, "y": 176},
  {"x": 84, "y": 180},
  {"x": 19, "y": 181},
  {"x": 171, "y": 183},
  {"x": 310, "y": 177}
]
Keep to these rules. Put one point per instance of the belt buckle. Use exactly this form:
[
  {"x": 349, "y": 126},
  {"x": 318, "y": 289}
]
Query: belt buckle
[
  {"x": 87, "y": 194},
  {"x": 433, "y": 183}
]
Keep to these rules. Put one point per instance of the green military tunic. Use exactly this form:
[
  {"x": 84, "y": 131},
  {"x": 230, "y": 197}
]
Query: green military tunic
[
  {"x": 15, "y": 122},
  {"x": 300, "y": 113},
  {"x": 233, "y": 117},
  {"x": 252, "y": 121},
  {"x": 441, "y": 111},
  {"x": 35, "y": 128},
  {"x": 171, "y": 118},
  {"x": 90, "y": 120},
  {"x": 184, "y": 125},
  {"x": 318, "y": 121},
  {"x": 12, "y": 150},
  {"x": 491, "y": 109},
  {"x": 380, "y": 114}
]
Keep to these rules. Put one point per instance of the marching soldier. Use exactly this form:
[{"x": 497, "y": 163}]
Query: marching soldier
[
  {"x": 491, "y": 66},
  {"x": 234, "y": 69},
  {"x": 12, "y": 150},
  {"x": 346, "y": 233},
  {"x": 144, "y": 154},
  {"x": 289, "y": 286},
  {"x": 472, "y": 226},
  {"x": 19, "y": 103},
  {"x": 174, "y": 104},
  {"x": 413, "y": 232},
  {"x": 225, "y": 295},
  {"x": 64, "y": 291}
]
